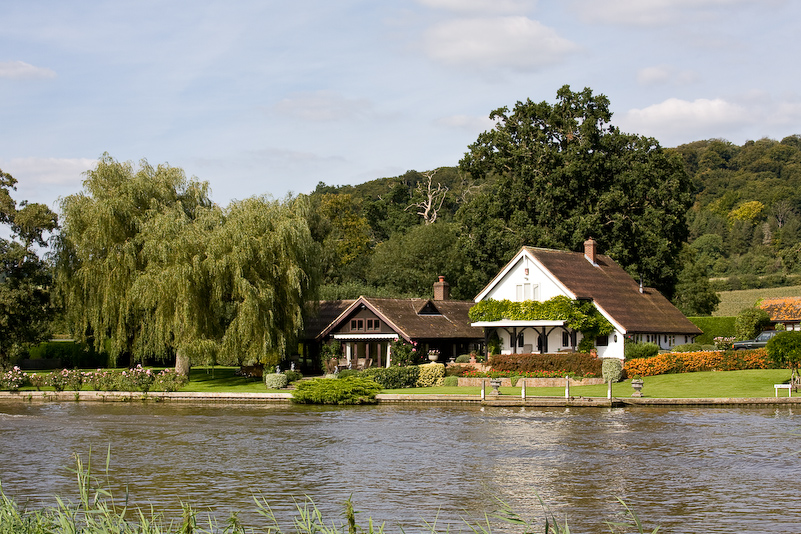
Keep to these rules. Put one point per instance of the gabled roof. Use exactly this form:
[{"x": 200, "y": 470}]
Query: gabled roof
[
  {"x": 782, "y": 309},
  {"x": 414, "y": 318},
  {"x": 613, "y": 290},
  {"x": 320, "y": 314}
]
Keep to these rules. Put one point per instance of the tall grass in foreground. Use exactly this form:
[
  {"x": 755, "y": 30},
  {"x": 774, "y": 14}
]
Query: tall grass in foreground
[{"x": 97, "y": 512}]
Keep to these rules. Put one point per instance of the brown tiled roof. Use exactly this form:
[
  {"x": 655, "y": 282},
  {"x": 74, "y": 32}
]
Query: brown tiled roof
[
  {"x": 320, "y": 314},
  {"x": 452, "y": 322},
  {"x": 782, "y": 309},
  {"x": 614, "y": 290}
]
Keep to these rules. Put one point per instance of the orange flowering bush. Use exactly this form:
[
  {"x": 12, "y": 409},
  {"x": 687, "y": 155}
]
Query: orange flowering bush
[{"x": 688, "y": 362}]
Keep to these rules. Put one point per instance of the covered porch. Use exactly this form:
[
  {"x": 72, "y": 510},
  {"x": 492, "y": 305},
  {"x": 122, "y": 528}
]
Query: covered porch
[
  {"x": 361, "y": 351},
  {"x": 530, "y": 337}
]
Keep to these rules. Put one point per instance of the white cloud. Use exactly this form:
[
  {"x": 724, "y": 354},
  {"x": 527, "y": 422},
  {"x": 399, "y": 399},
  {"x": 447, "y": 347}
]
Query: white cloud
[
  {"x": 481, "y": 6},
  {"x": 651, "y": 12},
  {"x": 321, "y": 106},
  {"x": 19, "y": 70},
  {"x": 467, "y": 123},
  {"x": 499, "y": 43},
  {"x": 675, "y": 121},
  {"x": 665, "y": 75},
  {"x": 44, "y": 179}
]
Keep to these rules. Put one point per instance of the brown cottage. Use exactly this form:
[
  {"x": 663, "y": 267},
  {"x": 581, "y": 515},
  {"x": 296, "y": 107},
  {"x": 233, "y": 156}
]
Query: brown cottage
[{"x": 367, "y": 326}]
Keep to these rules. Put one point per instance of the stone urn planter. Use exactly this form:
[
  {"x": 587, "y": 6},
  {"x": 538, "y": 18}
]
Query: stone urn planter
[
  {"x": 433, "y": 355},
  {"x": 637, "y": 385},
  {"x": 496, "y": 384}
]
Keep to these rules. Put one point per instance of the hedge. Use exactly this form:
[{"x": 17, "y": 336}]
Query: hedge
[
  {"x": 578, "y": 363},
  {"x": 394, "y": 377},
  {"x": 713, "y": 327},
  {"x": 688, "y": 362}
]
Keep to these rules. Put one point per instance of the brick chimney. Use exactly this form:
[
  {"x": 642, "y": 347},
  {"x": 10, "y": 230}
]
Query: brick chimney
[
  {"x": 590, "y": 250},
  {"x": 442, "y": 289}
]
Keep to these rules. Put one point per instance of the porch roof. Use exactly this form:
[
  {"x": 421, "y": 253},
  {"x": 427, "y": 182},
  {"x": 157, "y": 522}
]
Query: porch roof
[{"x": 366, "y": 337}]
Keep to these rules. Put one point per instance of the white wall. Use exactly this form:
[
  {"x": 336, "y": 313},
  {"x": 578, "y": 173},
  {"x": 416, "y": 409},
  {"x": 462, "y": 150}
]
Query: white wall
[{"x": 542, "y": 287}]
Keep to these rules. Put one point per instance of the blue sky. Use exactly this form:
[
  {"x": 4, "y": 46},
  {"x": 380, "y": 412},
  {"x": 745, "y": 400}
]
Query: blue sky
[{"x": 266, "y": 97}]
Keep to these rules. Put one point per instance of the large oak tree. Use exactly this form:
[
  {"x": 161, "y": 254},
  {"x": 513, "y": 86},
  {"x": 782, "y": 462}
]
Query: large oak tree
[{"x": 561, "y": 173}]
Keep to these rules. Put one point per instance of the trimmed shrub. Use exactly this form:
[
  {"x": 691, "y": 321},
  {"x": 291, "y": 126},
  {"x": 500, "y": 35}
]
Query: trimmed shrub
[
  {"x": 640, "y": 350},
  {"x": 612, "y": 369},
  {"x": 463, "y": 358},
  {"x": 450, "y": 381},
  {"x": 431, "y": 374},
  {"x": 350, "y": 390},
  {"x": 275, "y": 380},
  {"x": 345, "y": 373},
  {"x": 293, "y": 376},
  {"x": 394, "y": 377},
  {"x": 577, "y": 363}
]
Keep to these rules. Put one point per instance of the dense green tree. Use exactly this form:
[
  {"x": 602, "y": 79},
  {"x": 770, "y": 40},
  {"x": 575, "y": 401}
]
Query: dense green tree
[
  {"x": 562, "y": 173},
  {"x": 411, "y": 262},
  {"x": 750, "y": 322},
  {"x": 694, "y": 295},
  {"x": 148, "y": 266},
  {"x": 785, "y": 349},
  {"x": 25, "y": 279}
]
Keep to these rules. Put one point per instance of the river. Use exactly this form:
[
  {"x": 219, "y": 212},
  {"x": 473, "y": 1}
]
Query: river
[{"x": 705, "y": 470}]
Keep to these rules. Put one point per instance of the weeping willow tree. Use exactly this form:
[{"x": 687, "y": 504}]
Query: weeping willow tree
[{"x": 149, "y": 266}]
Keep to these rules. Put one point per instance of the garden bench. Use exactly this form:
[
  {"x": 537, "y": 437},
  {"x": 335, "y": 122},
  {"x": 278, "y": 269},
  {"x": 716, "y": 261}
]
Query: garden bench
[{"x": 788, "y": 387}]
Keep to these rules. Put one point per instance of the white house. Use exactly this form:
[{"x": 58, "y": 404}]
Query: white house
[{"x": 636, "y": 313}]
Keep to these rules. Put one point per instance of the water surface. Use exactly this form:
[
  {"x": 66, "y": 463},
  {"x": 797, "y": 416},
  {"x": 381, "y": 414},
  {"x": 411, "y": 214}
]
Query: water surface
[{"x": 688, "y": 469}]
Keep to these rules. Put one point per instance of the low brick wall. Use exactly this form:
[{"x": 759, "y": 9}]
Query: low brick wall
[{"x": 533, "y": 382}]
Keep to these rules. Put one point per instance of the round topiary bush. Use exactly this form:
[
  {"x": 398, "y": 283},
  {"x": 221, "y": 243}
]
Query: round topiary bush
[
  {"x": 451, "y": 381},
  {"x": 275, "y": 380},
  {"x": 612, "y": 369}
]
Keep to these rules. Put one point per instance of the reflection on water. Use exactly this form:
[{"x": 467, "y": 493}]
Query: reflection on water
[{"x": 691, "y": 470}]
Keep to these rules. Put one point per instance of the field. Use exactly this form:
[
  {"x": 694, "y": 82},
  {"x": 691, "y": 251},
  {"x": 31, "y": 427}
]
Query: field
[{"x": 732, "y": 302}]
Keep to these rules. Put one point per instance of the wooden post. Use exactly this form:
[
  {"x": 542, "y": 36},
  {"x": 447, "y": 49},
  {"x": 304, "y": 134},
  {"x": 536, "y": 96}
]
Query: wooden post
[
  {"x": 567, "y": 387},
  {"x": 523, "y": 389},
  {"x": 609, "y": 391},
  {"x": 483, "y": 389}
]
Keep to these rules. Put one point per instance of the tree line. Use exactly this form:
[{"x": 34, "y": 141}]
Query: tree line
[{"x": 145, "y": 265}]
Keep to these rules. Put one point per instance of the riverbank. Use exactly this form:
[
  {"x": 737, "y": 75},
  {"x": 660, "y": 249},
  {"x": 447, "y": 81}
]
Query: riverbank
[{"x": 388, "y": 398}]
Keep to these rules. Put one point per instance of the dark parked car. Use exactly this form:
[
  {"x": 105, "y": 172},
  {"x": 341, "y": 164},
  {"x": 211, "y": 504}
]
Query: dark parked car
[{"x": 760, "y": 341}]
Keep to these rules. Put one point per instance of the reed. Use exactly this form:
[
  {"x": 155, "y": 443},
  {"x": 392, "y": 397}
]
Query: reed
[{"x": 98, "y": 512}]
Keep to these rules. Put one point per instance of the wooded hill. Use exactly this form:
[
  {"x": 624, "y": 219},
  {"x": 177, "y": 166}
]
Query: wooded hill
[{"x": 744, "y": 227}]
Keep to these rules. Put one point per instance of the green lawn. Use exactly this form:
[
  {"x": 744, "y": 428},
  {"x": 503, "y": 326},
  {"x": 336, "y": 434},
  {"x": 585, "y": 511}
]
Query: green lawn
[{"x": 730, "y": 384}]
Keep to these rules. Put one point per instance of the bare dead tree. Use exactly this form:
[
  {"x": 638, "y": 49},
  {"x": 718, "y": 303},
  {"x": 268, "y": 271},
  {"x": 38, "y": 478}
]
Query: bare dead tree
[{"x": 432, "y": 199}]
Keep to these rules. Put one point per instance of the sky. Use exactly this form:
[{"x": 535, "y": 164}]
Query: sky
[{"x": 264, "y": 97}]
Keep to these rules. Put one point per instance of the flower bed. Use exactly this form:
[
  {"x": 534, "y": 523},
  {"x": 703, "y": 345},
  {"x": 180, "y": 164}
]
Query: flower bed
[
  {"x": 534, "y": 382},
  {"x": 688, "y": 362}
]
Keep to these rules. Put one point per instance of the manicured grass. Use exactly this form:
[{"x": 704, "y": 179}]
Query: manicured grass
[
  {"x": 729, "y": 384},
  {"x": 703, "y": 385},
  {"x": 222, "y": 379}
]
